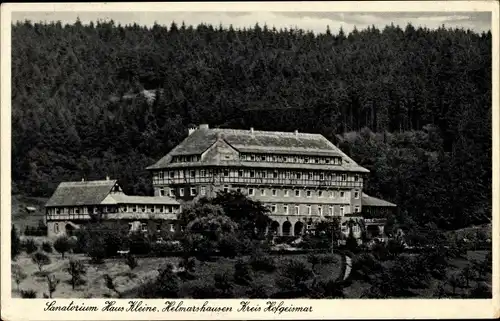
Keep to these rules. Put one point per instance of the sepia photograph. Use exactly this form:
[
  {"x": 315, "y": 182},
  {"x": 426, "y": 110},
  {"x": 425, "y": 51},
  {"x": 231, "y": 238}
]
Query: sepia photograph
[{"x": 250, "y": 155}]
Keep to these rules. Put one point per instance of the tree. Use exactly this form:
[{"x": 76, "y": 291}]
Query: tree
[
  {"x": 76, "y": 269},
  {"x": 242, "y": 273},
  {"x": 52, "y": 283},
  {"x": 47, "y": 247},
  {"x": 40, "y": 259},
  {"x": 111, "y": 285},
  {"x": 30, "y": 246},
  {"x": 18, "y": 274},
  {"x": 62, "y": 245},
  {"x": 15, "y": 243},
  {"x": 131, "y": 261}
]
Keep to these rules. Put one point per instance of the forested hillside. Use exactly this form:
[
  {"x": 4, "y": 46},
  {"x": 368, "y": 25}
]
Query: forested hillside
[{"x": 417, "y": 103}]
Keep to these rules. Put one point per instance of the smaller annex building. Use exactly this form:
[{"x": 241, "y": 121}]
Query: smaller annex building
[{"x": 75, "y": 203}]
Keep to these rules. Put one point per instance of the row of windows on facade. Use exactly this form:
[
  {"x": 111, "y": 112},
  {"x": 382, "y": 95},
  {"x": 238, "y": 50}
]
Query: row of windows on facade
[
  {"x": 144, "y": 227},
  {"x": 310, "y": 175},
  {"x": 274, "y": 192},
  {"x": 270, "y": 158},
  {"x": 114, "y": 209},
  {"x": 311, "y": 210}
]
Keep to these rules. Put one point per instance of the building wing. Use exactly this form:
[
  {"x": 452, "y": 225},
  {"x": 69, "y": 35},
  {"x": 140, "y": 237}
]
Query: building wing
[
  {"x": 367, "y": 200},
  {"x": 81, "y": 193}
]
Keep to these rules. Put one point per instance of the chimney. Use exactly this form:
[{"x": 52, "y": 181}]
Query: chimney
[
  {"x": 251, "y": 130},
  {"x": 83, "y": 179},
  {"x": 203, "y": 126},
  {"x": 191, "y": 130},
  {"x": 296, "y": 133},
  {"x": 107, "y": 177}
]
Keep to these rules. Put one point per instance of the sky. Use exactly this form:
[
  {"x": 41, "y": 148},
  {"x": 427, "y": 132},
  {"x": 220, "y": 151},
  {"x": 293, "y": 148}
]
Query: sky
[{"x": 314, "y": 21}]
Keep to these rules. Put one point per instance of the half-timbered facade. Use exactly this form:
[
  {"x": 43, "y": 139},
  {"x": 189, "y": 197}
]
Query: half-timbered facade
[
  {"x": 302, "y": 178},
  {"x": 74, "y": 203}
]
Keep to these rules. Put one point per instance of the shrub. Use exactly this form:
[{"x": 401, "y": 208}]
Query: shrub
[
  {"x": 260, "y": 262},
  {"x": 30, "y": 246},
  {"x": 18, "y": 274},
  {"x": 131, "y": 261},
  {"x": 28, "y": 294},
  {"x": 47, "y": 247},
  {"x": 167, "y": 283},
  {"x": 62, "y": 245},
  {"x": 139, "y": 244},
  {"x": 95, "y": 249},
  {"x": 75, "y": 269},
  {"x": 242, "y": 273},
  {"x": 229, "y": 246},
  {"x": 199, "y": 289},
  {"x": 15, "y": 243},
  {"x": 223, "y": 285},
  {"x": 52, "y": 283},
  {"x": 40, "y": 259}
]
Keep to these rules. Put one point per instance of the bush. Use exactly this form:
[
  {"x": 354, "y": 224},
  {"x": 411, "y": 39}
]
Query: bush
[
  {"x": 229, "y": 246},
  {"x": 260, "y": 262},
  {"x": 15, "y": 243},
  {"x": 30, "y": 246},
  {"x": 223, "y": 285},
  {"x": 28, "y": 294},
  {"x": 165, "y": 249},
  {"x": 62, "y": 245},
  {"x": 18, "y": 275},
  {"x": 75, "y": 269},
  {"x": 131, "y": 261},
  {"x": 95, "y": 249},
  {"x": 242, "y": 273},
  {"x": 199, "y": 289},
  {"x": 139, "y": 244},
  {"x": 47, "y": 247},
  {"x": 40, "y": 259}
]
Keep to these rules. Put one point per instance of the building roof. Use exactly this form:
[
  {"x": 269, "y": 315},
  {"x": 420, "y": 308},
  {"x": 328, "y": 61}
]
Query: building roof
[
  {"x": 367, "y": 200},
  {"x": 254, "y": 141},
  {"x": 81, "y": 193},
  {"x": 121, "y": 198}
]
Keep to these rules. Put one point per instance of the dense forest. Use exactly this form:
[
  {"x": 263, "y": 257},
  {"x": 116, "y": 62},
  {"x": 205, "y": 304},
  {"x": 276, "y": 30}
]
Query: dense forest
[{"x": 413, "y": 105}]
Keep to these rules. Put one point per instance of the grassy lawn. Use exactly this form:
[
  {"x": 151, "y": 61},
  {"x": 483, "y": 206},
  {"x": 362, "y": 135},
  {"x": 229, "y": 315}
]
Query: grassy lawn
[{"x": 20, "y": 217}]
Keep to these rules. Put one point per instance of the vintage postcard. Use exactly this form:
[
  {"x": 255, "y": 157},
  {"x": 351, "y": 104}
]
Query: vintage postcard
[{"x": 291, "y": 160}]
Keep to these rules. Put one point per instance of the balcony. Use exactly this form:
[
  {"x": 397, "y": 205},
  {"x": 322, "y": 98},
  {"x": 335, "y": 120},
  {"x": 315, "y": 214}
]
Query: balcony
[
  {"x": 259, "y": 181},
  {"x": 114, "y": 216}
]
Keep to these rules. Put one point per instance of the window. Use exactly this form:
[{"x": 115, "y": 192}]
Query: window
[
  {"x": 297, "y": 209},
  {"x": 192, "y": 173},
  {"x": 226, "y": 173},
  {"x": 252, "y": 173},
  {"x": 171, "y": 192},
  {"x": 160, "y": 209},
  {"x": 160, "y": 175},
  {"x": 167, "y": 209},
  {"x": 263, "y": 158},
  {"x": 356, "y": 178},
  {"x": 152, "y": 209},
  {"x": 308, "y": 193},
  {"x": 181, "y": 191},
  {"x": 342, "y": 194},
  {"x": 202, "y": 173},
  {"x": 320, "y": 193},
  {"x": 238, "y": 190},
  {"x": 344, "y": 177},
  {"x": 355, "y": 229},
  {"x": 356, "y": 209},
  {"x": 330, "y": 210},
  {"x": 286, "y": 193},
  {"x": 341, "y": 211},
  {"x": 306, "y": 160},
  {"x": 240, "y": 173},
  {"x": 162, "y": 192},
  {"x": 275, "y": 174},
  {"x": 193, "y": 191},
  {"x": 320, "y": 210},
  {"x": 327, "y": 161},
  {"x": 308, "y": 209},
  {"x": 262, "y": 192},
  {"x": 77, "y": 210},
  {"x": 172, "y": 174},
  {"x": 356, "y": 195},
  {"x": 316, "y": 160},
  {"x": 310, "y": 175},
  {"x": 250, "y": 191},
  {"x": 56, "y": 228},
  {"x": 134, "y": 208},
  {"x": 274, "y": 208},
  {"x": 144, "y": 227},
  {"x": 285, "y": 209},
  {"x": 321, "y": 176},
  {"x": 252, "y": 157},
  {"x": 297, "y": 193},
  {"x": 58, "y": 211},
  {"x": 226, "y": 188},
  {"x": 203, "y": 190},
  {"x": 274, "y": 192},
  {"x": 298, "y": 175},
  {"x": 143, "y": 209}
]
